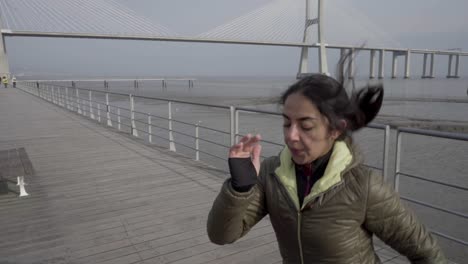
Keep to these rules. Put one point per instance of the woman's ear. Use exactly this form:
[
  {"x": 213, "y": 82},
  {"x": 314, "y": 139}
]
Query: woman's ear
[{"x": 336, "y": 133}]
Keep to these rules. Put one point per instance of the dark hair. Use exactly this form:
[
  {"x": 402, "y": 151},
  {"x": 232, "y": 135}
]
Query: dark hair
[{"x": 330, "y": 97}]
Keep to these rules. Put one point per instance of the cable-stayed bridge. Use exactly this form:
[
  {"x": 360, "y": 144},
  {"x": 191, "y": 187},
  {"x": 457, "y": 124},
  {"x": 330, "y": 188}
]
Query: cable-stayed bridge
[{"x": 285, "y": 23}]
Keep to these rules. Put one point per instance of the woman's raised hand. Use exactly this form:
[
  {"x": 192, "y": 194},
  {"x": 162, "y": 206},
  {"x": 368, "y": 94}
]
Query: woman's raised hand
[{"x": 248, "y": 147}]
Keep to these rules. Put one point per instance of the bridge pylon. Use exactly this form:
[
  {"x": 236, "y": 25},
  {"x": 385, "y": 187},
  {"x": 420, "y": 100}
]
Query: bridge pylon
[
  {"x": 322, "y": 52},
  {"x": 4, "y": 68}
]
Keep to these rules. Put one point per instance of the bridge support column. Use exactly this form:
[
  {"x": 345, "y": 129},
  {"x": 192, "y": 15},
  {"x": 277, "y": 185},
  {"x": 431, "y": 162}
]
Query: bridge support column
[
  {"x": 431, "y": 72},
  {"x": 372, "y": 65},
  {"x": 322, "y": 52},
  {"x": 407, "y": 64},
  {"x": 4, "y": 67},
  {"x": 450, "y": 62},
  {"x": 424, "y": 66},
  {"x": 431, "y": 66},
  {"x": 351, "y": 64},
  {"x": 381, "y": 63},
  {"x": 394, "y": 65},
  {"x": 323, "y": 63}
]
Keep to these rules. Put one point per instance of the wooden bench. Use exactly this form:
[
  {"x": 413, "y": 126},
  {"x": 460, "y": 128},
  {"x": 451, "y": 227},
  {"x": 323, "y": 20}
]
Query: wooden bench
[{"x": 14, "y": 165}]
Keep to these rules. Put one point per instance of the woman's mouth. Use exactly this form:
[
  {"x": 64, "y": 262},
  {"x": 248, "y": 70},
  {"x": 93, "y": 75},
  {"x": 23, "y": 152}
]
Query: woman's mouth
[{"x": 295, "y": 152}]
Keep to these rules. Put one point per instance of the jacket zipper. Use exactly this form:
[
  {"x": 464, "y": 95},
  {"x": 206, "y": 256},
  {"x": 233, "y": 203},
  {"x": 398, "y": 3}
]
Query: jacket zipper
[
  {"x": 299, "y": 216},
  {"x": 301, "y": 254}
]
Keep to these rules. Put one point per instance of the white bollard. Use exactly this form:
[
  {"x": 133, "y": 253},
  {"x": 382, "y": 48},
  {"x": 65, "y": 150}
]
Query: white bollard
[{"x": 21, "y": 185}]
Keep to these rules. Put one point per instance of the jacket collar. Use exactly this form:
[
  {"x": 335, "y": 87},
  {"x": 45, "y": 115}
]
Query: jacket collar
[{"x": 341, "y": 158}]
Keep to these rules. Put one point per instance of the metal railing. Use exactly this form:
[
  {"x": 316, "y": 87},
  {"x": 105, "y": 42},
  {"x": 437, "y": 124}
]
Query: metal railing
[
  {"x": 114, "y": 114},
  {"x": 398, "y": 173}
]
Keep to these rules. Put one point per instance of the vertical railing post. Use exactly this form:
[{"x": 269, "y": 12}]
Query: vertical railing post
[
  {"x": 150, "y": 129},
  {"x": 232, "y": 124},
  {"x": 54, "y": 95},
  {"x": 397, "y": 161},
  {"x": 386, "y": 151},
  {"x": 59, "y": 97},
  {"x": 372, "y": 65},
  {"x": 133, "y": 127},
  {"x": 99, "y": 112},
  {"x": 44, "y": 92},
  {"x": 118, "y": 119},
  {"x": 51, "y": 93},
  {"x": 39, "y": 90},
  {"x": 78, "y": 106},
  {"x": 91, "y": 112},
  {"x": 61, "y": 100},
  {"x": 109, "y": 121},
  {"x": 236, "y": 125},
  {"x": 171, "y": 137},
  {"x": 67, "y": 105},
  {"x": 197, "y": 142}
]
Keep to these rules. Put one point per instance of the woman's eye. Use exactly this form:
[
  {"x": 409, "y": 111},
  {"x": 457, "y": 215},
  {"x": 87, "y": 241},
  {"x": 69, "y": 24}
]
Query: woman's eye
[
  {"x": 286, "y": 125},
  {"x": 307, "y": 128}
]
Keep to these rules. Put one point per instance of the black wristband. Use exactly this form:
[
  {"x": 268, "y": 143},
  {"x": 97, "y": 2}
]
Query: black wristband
[{"x": 243, "y": 174}]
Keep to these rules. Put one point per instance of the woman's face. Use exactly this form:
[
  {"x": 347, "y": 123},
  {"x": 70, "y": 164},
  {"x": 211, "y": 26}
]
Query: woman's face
[{"x": 306, "y": 131}]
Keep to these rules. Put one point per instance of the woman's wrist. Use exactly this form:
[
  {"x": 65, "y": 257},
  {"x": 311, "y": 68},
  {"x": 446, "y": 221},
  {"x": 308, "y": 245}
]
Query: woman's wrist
[{"x": 243, "y": 174}]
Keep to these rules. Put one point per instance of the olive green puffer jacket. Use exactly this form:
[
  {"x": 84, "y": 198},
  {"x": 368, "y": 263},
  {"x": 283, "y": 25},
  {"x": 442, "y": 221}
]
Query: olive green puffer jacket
[{"x": 336, "y": 221}]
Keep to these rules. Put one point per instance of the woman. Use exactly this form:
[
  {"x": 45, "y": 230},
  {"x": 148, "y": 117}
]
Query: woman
[{"x": 324, "y": 205}]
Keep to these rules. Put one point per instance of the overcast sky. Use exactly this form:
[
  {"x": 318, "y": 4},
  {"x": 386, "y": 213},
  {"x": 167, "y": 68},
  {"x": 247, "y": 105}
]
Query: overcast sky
[{"x": 432, "y": 24}]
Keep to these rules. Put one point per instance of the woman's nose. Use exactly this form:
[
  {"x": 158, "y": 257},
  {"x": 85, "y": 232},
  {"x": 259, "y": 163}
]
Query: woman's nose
[{"x": 292, "y": 133}]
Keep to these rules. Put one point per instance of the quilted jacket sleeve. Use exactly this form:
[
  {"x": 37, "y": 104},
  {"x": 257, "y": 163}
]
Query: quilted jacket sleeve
[
  {"x": 396, "y": 225},
  {"x": 234, "y": 213}
]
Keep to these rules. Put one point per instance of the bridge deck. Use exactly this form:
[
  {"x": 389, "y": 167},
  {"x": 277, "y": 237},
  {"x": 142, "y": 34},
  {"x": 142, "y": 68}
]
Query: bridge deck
[{"x": 99, "y": 196}]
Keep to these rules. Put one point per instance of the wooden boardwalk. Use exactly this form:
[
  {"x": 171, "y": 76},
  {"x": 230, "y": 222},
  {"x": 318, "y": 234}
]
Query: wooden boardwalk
[{"x": 101, "y": 196}]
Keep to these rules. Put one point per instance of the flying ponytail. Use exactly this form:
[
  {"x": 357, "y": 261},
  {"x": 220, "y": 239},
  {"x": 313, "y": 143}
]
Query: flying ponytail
[{"x": 365, "y": 102}]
